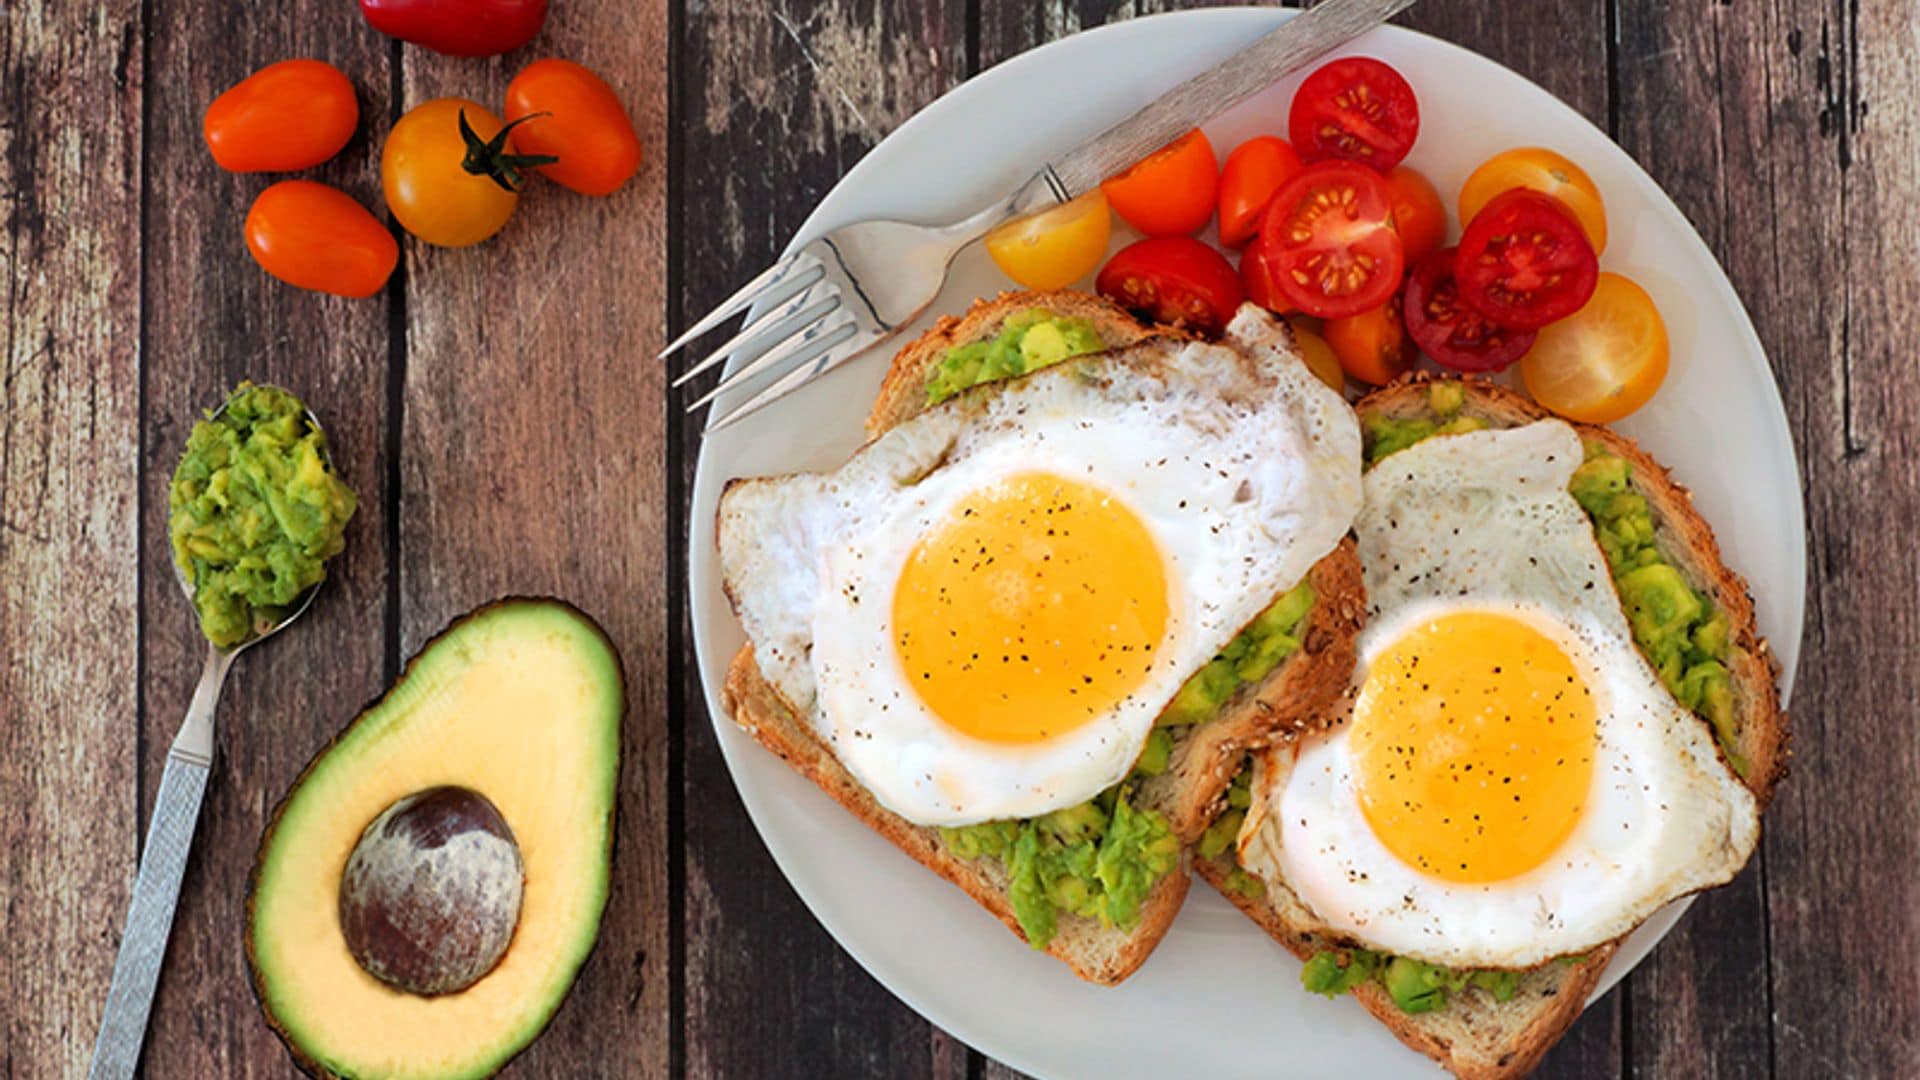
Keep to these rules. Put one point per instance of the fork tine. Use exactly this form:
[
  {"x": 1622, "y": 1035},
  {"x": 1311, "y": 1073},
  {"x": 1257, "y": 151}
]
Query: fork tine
[
  {"x": 779, "y": 312},
  {"x": 805, "y": 372},
  {"x": 745, "y": 295},
  {"x": 795, "y": 342}
]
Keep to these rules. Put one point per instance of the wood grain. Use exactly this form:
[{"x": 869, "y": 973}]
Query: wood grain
[
  {"x": 532, "y": 460},
  {"x": 212, "y": 319},
  {"x": 69, "y": 453}
]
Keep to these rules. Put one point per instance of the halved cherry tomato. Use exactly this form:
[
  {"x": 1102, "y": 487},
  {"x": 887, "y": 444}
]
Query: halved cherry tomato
[
  {"x": 451, "y": 173},
  {"x": 1318, "y": 355},
  {"x": 1355, "y": 109},
  {"x": 291, "y": 115},
  {"x": 1260, "y": 277},
  {"x": 1543, "y": 171},
  {"x": 1453, "y": 334},
  {"x": 1171, "y": 192},
  {"x": 1173, "y": 280},
  {"x": 580, "y": 122},
  {"x": 458, "y": 27},
  {"x": 1372, "y": 346},
  {"x": 1330, "y": 232},
  {"x": 317, "y": 237},
  {"x": 1605, "y": 360},
  {"x": 1523, "y": 261},
  {"x": 1054, "y": 248},
  {"x": 1254, "y": 171},
  {"x": 1418, "y": 214}
]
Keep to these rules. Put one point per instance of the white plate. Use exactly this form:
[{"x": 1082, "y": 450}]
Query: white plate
[{"x": 1217, "y": 998}]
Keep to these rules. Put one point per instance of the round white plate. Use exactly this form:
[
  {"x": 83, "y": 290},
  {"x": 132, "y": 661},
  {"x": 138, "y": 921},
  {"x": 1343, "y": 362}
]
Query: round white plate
[{"x": 1217, "y": 998}]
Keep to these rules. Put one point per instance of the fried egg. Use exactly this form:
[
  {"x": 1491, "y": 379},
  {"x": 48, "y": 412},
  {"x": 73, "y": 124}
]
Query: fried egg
[
  {"x": 984, "y": 610},
  {"x": 1513, "y": 782}
]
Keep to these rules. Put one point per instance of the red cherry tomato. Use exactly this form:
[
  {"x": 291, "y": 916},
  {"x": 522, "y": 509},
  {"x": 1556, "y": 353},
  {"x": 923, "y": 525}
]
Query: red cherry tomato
[
  {"x": 1354, "y": 109},
  {"x": 291, "y": 115},
  {"x": 1524, "y": 261},
  {"x": 1172, "y": 191},
  {"x": 1254, "y": 171},
  {"x": 458, "y": 27},
  {"x": 1453, "y": 334},
  {"x": 1175, "y": 281},
  {"x": 1331, "y": 233},
  {"x": 584, "y": 125},
  {"x": 317, "y": 237},
  {"x": 1418, "y": 214},
  {"x": 1260, "y": 276}
]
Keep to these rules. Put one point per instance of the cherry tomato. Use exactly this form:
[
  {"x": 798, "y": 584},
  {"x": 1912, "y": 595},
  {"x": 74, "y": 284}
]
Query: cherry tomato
[
  {"x": 1546, "y": 172},
  {"x": 1372, "y": 346},
  {"x": 458, "y": 27},
  {"x": 1170, "y": 193},
  {"x": 317, "y": 237},
  {"x": 1254, "y": 171},
  {"x": 1355, "y": 109},
  {"x": 1523, "y": 261},
  {"x": 1330, "y": 232},
  {"x": 1453, "y": 334},
  {"x": 1175, "y": 281},
  {"x": 1318, "y": 355},
  {"x": 291, "y": 115},
  {"x": 1054, "y": 248},
  {"x": 451, "y": 173},
  {"x": 580, "y": 122},
  {"x": 1418, "y": 214},
  {"x": 1259, "y": 276},
  {"x": 1605, "y": 360}
]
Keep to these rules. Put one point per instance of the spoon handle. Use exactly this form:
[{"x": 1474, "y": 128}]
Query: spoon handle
[{"x": 157, "y": 888}]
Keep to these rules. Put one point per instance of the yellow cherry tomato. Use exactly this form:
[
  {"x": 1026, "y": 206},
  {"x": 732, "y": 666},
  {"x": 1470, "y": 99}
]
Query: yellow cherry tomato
[
  {"x": 1603, "y": 361},
  {"x": 1317, "y": 353},
  {"x": 1054, "y": 248},
  {"x": 1541, "y": 170},
  {"x": 450, "y": 172}
]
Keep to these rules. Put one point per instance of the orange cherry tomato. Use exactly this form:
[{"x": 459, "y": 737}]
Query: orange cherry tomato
[
  {"x": 1170, "y": 193},
  {"x": 317, "y": 237},
  {"x": 1418, "y": 214},
  {"x": 291, "y": 115},
  {"x": 1539, "y": 170},
  {"x": 1605, "y": 360},
  {"x": 1318, "y": 354},
  {"x": 579, "y": 121},
  {"x": 1056, "y": 247},
  {"x": 1254, "y": 171},
  {"x": 1372, "y": 346},
  {"x": 451, "y": 172}
]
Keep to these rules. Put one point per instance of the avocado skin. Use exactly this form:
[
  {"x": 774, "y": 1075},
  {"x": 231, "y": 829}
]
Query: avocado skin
[{"x": 307, "y": 1064}]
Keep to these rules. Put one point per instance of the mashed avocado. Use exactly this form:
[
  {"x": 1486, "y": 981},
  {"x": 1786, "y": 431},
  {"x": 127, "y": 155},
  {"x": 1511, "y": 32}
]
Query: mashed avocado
[
  {"x": 1028, "y": 341},
  {"x": 254, "y": 511},
  {"x": 1247, "y": 659},
  {"x": 1386, "y": 435}
]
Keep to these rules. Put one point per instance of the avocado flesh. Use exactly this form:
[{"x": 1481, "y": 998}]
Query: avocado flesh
[
  {"x": 520, "y": 701},
  {"x": 1028, "y": 341}
]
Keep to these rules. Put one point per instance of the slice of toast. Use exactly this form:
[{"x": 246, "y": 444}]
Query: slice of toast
[
  {"x": 1205, "y": 755},
  {"x": 1474, "y": 1035}
]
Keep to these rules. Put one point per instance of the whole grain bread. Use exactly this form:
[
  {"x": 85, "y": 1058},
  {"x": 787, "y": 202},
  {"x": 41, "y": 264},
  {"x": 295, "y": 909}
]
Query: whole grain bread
[{"x": 1475, "y": 1036}]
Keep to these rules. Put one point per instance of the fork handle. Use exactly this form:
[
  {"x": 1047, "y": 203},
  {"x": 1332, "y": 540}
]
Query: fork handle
[{"x": 1301, "y": 38}]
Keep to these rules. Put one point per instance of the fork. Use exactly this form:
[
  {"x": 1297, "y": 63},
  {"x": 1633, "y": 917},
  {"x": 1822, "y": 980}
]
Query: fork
[{"x": 840, "y": 294}]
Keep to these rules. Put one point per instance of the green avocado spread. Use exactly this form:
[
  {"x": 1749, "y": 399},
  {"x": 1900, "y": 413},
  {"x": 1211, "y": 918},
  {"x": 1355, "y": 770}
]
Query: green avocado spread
[
  {"x": 1101, "y": 858},
  {"x": 1028, "y": 341},
  {"x": 1679, "y": 630},
  {"x": 254, "y": 512}
]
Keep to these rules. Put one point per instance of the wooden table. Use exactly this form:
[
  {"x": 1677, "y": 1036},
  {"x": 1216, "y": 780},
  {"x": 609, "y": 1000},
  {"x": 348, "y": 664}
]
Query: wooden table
[{"x": 502, "y": 417}]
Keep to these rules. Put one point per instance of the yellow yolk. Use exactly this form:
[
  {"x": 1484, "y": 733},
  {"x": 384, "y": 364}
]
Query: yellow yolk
[
  {"x": 1034, "y": 607},
  {"x": 1473, "y": 744}
]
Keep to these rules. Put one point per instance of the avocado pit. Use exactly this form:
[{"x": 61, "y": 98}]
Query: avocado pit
[{"x": 431, "y": 893}]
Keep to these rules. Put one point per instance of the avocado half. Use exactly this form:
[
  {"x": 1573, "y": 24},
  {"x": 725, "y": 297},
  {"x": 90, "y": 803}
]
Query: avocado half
[{"x": 520, "y": 701}]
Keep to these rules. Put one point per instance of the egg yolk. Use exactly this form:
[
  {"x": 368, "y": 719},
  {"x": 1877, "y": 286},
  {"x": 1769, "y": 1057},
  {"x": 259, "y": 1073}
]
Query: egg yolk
[
  {"x": 1035, "y": 606},
  {"x": 1473, "y": 745}
]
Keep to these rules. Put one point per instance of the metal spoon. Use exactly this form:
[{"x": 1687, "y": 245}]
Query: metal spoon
[{"x": 156, "y": 890}]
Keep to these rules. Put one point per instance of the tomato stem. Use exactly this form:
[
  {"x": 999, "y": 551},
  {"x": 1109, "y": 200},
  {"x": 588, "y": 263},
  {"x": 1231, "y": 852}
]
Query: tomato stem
[{"x": 490, "y": 158}]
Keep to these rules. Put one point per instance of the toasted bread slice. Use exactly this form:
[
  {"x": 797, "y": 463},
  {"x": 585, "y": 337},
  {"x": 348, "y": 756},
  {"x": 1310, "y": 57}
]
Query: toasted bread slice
[
  {"x": 1474, "y": 1035},
  {"x": 1205, "y": 756}
]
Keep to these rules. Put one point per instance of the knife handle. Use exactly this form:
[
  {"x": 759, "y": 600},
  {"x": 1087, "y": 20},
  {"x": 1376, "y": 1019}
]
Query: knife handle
[{"x": 1309, "y": 34}]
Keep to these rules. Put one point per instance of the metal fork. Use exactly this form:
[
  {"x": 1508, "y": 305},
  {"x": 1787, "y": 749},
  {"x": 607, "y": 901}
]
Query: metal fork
[{"x": 842, "y": 293}]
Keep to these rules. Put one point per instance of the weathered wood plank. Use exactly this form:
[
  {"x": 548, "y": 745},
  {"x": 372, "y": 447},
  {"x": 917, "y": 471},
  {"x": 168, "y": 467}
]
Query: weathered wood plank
[
  {"x": 69, "y": 452},
  {"x": 775, "y": 103},
  {"x": 212, "y": 319},
  {"x": 532, "y": 461}
]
